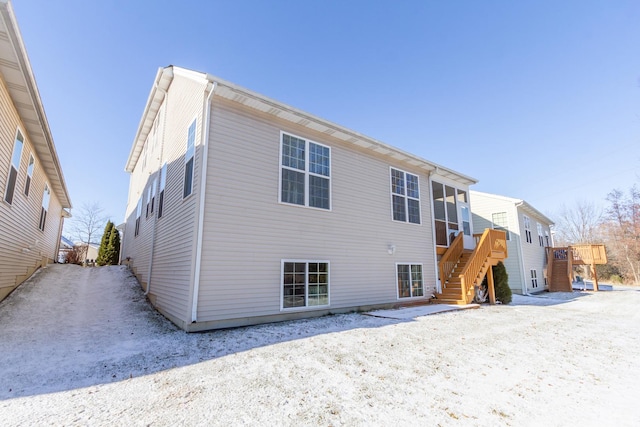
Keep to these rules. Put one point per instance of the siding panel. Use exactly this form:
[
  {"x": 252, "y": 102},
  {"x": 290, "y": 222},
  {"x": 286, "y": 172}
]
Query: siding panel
[{"x": 248, "y": 232}]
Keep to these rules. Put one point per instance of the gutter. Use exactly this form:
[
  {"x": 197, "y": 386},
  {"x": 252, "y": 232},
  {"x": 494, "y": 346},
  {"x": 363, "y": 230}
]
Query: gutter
[{"x": 203, "y": 187}]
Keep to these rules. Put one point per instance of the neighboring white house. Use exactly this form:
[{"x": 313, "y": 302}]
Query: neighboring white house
[
  {"x": 245, "y": 210},
  {"x": 528, "y": 233},
  {"x": 33, "y": 193}
]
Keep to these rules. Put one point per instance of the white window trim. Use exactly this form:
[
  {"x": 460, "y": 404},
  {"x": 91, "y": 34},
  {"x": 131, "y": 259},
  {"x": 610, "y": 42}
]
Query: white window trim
[
  {"x": 533, "y": 275},
  {"x": 29, "y": 175},
  {"x": 6, "y": 187},
  {"x": 406, "y": 196},
  {"x": 162, "y": 186},
  {"x": 528, "y": 237},
  {"x": 186, "y": 160},
  {"x": 306, "y": 173},
  {"x": 424, "y": 293},
  {"x": 305, "y": 308},
  {"x": 506, "y": 229},
  {"x": 46, "y": 200}
]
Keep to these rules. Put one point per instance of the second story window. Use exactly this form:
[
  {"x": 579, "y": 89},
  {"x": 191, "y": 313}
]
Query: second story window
[
  {"x": 27, "y": 184},
  {"x": 305, "y": 173},
  {"x": 540, "y": 235},
  {"x": 527, "y": 229},
  {"x": 46, "y": 196},
  {"x": 163, "y": 184},
  {"x": 15, "y": 166},
  {"x": 405, "y": 196},
  {"x": 499, "y": 220},
  {"x": 189, "y": 159}
]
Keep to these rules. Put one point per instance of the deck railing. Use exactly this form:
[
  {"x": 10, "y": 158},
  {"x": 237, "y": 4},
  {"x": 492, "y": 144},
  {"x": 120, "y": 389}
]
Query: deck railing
[
  {"x": 492, "y": 244},
  {"x": 589, "y": 254},
  {"x": 450, "y": 259}
]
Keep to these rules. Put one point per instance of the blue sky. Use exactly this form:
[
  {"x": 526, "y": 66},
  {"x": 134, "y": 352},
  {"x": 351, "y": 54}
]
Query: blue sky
[{"x": 538, "y": 100}]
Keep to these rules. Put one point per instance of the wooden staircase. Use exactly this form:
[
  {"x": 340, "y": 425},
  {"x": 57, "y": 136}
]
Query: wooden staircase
[
  {"x": 561, "y": 260},
  {"x": 462, "y": 270}
]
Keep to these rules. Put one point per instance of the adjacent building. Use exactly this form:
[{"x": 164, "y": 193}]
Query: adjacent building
[
  {"x": 33, "y": 193},
  {"x": 244, "y": 210},
  {"x": 528, "y": 234}
]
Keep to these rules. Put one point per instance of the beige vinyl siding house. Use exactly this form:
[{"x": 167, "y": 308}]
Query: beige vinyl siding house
[
  {"x": 528, "y": 234},
  {"x": 276, "y": 215},
  {"x": 33, "y": 194}
]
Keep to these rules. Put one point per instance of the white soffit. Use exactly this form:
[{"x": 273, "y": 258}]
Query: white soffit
[
  {"x": 20, "y": 82},
  {"x": 245, "y": 97}
]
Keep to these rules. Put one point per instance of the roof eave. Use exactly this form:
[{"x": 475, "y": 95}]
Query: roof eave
[
  {"x": 161, "y": 84},
  {"x": 30, "y": 108},
  {"x": 267, "y": 105}
]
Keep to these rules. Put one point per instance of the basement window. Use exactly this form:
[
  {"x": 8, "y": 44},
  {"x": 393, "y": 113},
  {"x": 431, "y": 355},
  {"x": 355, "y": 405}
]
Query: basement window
[
  {"x": 410, "y": 282},
  {"x": 305, "y": 284}
]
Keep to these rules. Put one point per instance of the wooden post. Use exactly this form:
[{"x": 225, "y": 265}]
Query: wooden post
[
  {"x": 595, "y": 277},
  {"x": 491, "y": 287},
  {"x": 570, "y": 267}
]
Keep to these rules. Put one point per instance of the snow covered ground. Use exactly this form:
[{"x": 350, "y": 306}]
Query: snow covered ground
[{"x": 81, "y": 346}]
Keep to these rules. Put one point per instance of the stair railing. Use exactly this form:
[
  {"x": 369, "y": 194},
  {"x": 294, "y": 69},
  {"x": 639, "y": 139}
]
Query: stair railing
[
  {"x": 450, "y": 259},
  {"x": 490, "y": 242}
]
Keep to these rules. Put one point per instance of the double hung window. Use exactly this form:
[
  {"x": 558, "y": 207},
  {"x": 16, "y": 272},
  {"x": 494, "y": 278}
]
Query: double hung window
[
  {"x": 534, "y": 278},
  {"x": 29, "y": 178},
  {"x": 405, "y": 196},
  {"x": 15, "y": 166},
  {"x": 540, "y": 235},
  {"x": 189, "y": 160},
  {"x": 138, "y": 214},
  {"x": 305, "y": 173},
  {"x": 499, "y": 220},
  {"x": 305, "y": 284},
  {"x": 163, "y": 184},
  {"x": 527, "y": 229},
  {"x": 46, "y": 196},
  {"x": 410, "y": 283}
]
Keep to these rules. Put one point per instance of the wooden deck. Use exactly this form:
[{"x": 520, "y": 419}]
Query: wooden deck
[{"x": 561, "y": 260}]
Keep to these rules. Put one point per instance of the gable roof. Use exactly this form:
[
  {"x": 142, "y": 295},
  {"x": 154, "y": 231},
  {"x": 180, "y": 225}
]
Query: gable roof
[
  {"x": 246, "y": 97},
  {"x": 518, "y": 203},
  {"x": 21, "y": 84}
]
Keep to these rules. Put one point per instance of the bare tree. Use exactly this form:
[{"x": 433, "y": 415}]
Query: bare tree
[
  {"x": 623, "y": 231},
  {"x": 87, "y": 224},
  {"x": 579, "y": 225}
]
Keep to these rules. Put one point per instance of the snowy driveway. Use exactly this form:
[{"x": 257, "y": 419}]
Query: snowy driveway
[{"x": 82, "y": 346}]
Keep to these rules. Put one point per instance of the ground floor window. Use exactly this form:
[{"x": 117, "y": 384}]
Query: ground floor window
[
  {"x": 305, "y": 284},
  {"x": 534, "y": 278},
  {"x": 410, "y": 282}
]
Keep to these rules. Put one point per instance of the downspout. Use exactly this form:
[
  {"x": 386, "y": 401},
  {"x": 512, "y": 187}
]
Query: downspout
[
  {"x": 522, "y": 275},
  {"x": 203, "y": 187},
  {"x": 155, "y": 214},
  {"x": 433, "y": 232},
  {"x": 64, "y": 214}
]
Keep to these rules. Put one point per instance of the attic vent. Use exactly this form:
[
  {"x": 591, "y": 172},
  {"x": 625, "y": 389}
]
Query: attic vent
[
  {"x": 352, "y": 139},
  {"x": 329, "y": 131},
  {"x": 303, "y": 122},
  {"x": 274, "y": 111}
]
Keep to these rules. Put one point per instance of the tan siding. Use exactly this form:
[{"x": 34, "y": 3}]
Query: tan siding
[
  {"x": 22, "y": 244},
  {"x": 247, "y": 232},
  {"x": 175, "y": 231}
]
